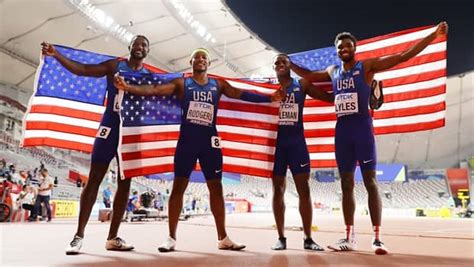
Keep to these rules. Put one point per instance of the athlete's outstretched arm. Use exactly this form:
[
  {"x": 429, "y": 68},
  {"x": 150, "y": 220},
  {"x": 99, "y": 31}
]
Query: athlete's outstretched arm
[
  {"x": 93, "y": 70},
  {"x": 311, "y": 76},
  {"x": 316, "y": 93},
  {"x": 166, "y": 89},
  {"x": 232, "y": 92},
  {"x": 384, "y": 63}
]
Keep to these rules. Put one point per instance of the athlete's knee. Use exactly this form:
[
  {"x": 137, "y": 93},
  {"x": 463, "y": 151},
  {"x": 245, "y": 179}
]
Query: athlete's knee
[
  {"x": 279, "y": 189},
  {"x": 303, "y": 189},
  {"x": 179, "y": 186},
  {"x": 347, "y": 185},
  {"x": 370, "y": 180},
  {"x": 370, "y": 184},
  {"x": 215, "y": 187}
]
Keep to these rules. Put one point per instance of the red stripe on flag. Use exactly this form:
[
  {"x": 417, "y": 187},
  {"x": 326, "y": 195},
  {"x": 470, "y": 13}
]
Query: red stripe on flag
[
  {"x": 247, "y": 139},
  {"x": 423, "y": 59},
  {"x": 247, "y": 170},
  {"x": 390, "y": 35},
  {"x": 319, "y": 133},
  {"x": 45, "y": 141},
  {"x": 251, "y": 108},
  {"x": 393, "y": 49},
  {"x": 68, "y": 112},
  {"x": 149, "y": 153},
  {"x": 438, "y": 90},
  {"x": 420, "y": 126},
  {"x": 238, "y": 153},
  {"x": 149, "y": 137},
  {"x": 154, "y": 69},
  {"x": 60, "y": 127},
  {"x": 319, "y": 117},
  {"x": 321, "y": 148},
  {"x": 403, "y": 112},
  {"x": 414, "y": 78},
  {"x": 327, "y": 163},
  {"x": 246, "y": 123},
  {"x": 317, "y": 103}
]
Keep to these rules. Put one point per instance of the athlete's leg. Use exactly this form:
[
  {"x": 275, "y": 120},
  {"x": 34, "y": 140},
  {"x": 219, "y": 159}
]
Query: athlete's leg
[
  {"x": 299, "y": 161},
  {"x": 120, "y": 204},
  {"x": 89, "y": 195},
  {"x": 280, "y": 168},
  {"x": 278, "y": 201},
  {"x": 305, "y": 207},
  {"x": 210, "y": 160},
  {"x": 176, "y": 203},
  {"x": 348, "y": 200},
  {"x": 216, "y": 199}
]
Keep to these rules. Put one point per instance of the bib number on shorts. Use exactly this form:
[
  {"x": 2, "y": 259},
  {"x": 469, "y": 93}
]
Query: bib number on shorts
[
  {"x": 216, "y": 142},
  {"x": 346, "y": 104},
  {"x": 200, "y": 113},
  {"x": 288, "y": 114},
  {"x": 103, "y": 132}
]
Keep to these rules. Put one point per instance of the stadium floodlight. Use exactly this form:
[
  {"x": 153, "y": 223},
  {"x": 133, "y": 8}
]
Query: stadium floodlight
[
  {"x": 194, "y": 23},
  {"x": 102, "y": 19}
]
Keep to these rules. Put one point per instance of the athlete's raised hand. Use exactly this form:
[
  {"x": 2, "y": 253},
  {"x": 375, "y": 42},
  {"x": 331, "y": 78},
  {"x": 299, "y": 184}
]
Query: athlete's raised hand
[
  {"x": 442, "y": 29},
  {"x": 48, "y": 49}
]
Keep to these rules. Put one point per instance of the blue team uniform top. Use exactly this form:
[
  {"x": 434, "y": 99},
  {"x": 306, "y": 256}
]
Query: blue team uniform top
[
  {"x": 290, "y": 118},
  {"x": 351, "y": 92},
  {"x": 199, "y": 105}
]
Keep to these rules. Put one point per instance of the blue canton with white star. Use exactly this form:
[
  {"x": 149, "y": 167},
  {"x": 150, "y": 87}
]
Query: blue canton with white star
[
  {"x": 150, "y": 110},
  {"x": 56, "y": 81},
  {"x": 317, "y": 59}
]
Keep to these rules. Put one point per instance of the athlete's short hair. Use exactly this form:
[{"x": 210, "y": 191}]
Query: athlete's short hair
[
  {"x": 203, "y": 50},
  {"x": 139, "y": 36},
  {"x": 345, "y": 35},
  {"x": 281, "y": 55}
]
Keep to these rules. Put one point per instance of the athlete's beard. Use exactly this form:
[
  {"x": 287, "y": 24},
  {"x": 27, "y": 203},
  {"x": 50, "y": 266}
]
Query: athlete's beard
[
  {"x": 200, "y": 71},
  {"x": 138, "y": 57},
  {"x": 349, "y": 59},
  {"x": 283, "y": 76}
]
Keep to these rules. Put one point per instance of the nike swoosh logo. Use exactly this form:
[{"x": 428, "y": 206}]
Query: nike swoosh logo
[
  {"x": 367, "y": 161},
  {"x": 218, "y": 171},
  {"x": 191, "y": 88},
  {"x": 304, "y": 165}
]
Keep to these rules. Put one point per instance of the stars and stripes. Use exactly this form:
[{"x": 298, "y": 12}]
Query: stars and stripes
[{"x": 65, "y": 110}]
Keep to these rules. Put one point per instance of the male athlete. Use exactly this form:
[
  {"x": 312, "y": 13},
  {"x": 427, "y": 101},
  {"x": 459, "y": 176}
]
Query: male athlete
[
  {"x": 198, "y": 138},
  {"x": 106, "y": 141},
  {"x": 354, "y": 140},
  {"x": 291, "y": 150}
]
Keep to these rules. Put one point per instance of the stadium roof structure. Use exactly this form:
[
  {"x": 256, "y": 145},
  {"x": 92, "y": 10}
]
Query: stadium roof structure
[{"x": 174, "y": 27}]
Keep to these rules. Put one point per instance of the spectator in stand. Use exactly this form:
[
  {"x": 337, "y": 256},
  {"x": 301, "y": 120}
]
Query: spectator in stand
[
  {"x": 56, "y": 181},
  {"x": 26, "y": 200},
  {"x": 133, "y": 203},
  {"x": 107, "y": 196},
  {"x": 29, "y": 177},
  {"x": 3, "y": 168},
  {"x": 46, "y": 183}
]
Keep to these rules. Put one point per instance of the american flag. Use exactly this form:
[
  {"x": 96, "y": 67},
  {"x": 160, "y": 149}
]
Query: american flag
[
  {"x": 65, "y": 109},
  {"x": 414, "y": 101},
  {"x": 151, "y": 129},
  {"x": 414, "y": 91}
]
